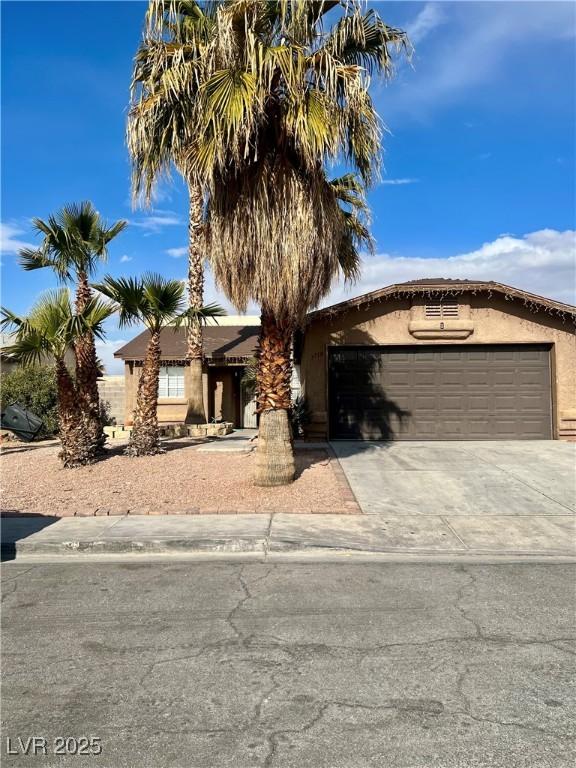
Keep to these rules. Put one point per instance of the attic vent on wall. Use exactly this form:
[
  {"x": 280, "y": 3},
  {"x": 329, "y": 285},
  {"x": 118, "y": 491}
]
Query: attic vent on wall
[{"x": 442, "y": 310}]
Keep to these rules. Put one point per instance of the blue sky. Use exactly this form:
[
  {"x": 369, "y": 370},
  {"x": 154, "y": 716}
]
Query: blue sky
[{"x": 479, "y": 163}]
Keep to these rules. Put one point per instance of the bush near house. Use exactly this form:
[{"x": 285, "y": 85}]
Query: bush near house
[
  {"x": 300, "y": 416},
  {"x": 34, "y": 388}
]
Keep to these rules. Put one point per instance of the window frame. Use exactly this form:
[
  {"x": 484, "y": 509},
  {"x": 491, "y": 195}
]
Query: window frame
[{"x": 171, "y": 383}]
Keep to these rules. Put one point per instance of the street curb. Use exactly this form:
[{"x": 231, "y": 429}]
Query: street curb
[
  {"x": 268, "y": 536},
  {"x": 289, "y": 556},
  {"x": 259, "y": 548},
  {"x": 134, "y": 546}
]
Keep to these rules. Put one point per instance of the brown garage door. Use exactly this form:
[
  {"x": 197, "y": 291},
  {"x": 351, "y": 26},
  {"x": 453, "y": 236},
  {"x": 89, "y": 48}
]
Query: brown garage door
[{"x": 440, "y": 393}]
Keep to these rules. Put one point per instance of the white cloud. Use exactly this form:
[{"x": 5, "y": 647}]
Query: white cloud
[
  {"x": 125, "y": 258},
  {"x": 10, "y": 243},
  {"x": 430, "y": 17},
  {"x": 394, "y": 182},
  {"x": 157, "y": 221},
  {"x": 177, "y": 253},
  {"x": 477, "y": 39},
  {"x": 543, "y": 262}
]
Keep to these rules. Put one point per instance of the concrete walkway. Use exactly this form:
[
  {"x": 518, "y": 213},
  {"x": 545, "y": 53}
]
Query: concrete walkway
[{"x": 277, "y": 536}]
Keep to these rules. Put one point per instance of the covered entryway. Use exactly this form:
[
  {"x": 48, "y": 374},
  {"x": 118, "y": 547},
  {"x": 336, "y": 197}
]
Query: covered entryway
[{"x": 440, "y": 392}]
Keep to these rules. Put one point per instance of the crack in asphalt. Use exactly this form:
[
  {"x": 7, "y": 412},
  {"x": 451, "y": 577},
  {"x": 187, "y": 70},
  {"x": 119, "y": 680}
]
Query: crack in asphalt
[
  {"x": 399, "y": 705},
  {"x": 259, "y": 720},
  {"x": 293, "y": 650},
  {"x": 231, "y": 617},
  {"x": 267, "y": 536},
  {"x": 17, "y": 576},
  {"x": 9, "y": 592},
  {"x": 471, "y": 584}
]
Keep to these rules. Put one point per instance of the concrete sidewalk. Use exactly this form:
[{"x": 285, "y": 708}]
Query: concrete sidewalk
[{"x": 269, "y": 536}]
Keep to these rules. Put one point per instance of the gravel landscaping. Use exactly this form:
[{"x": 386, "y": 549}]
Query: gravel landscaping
[{"x": 180, "y": 481}]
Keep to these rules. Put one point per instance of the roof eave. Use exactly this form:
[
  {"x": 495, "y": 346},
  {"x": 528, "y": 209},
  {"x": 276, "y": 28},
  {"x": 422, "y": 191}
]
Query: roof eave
[{"x": 448, "y": 289}]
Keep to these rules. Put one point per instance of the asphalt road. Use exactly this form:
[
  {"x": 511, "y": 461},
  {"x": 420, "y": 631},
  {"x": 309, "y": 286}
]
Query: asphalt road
[{"x": 291, "y": 665}]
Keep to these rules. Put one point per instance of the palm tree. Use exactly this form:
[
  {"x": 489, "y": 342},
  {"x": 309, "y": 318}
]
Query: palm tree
[
  {"x": 165, "y": 85},
  {"x": 50, "y": 329},
  {"x": 282, "y": 93},
  {"x": 75, "y": 240},
  {"x": 156, "y": 302}
]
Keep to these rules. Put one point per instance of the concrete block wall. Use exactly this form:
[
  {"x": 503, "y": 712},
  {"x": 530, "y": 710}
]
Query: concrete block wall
[{"x": 112, "y": 390}]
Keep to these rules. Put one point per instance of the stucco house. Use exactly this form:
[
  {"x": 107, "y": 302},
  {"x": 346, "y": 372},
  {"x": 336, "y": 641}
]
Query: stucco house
[
  {"x": 228, "y": 348},
  {"x": 432, "y": 359},
  {"x": 441, "y": 359}
]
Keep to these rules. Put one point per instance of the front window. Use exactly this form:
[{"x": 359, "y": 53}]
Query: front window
[{"x": 171, "y": 382}]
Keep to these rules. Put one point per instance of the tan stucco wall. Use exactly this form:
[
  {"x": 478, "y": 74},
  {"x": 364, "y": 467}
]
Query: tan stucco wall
[
  {"x": 219, "y": 395},
  {"x": 171, "y": 409},
  {"x": 480, "y": 321},
  {"x": 222, "y": 395}
]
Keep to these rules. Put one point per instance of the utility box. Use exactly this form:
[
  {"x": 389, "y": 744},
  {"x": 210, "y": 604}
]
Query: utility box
[{"x": 23, "y": 423}]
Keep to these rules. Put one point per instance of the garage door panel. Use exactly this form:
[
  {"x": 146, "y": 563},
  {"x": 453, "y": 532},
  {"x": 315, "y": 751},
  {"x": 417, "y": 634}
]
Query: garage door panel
[
  {"x": 506, "y": 403},
  {"x": 478, "y": 403},
  {"x": 531, "y": 378},
  {"x": 421, "y": 378},
  {"x": 448, "y": 378},
  {"x": 530, "y": 404},
  {"x": 441, "y": 392},
  {"x": 424, "y": 403},
  {"x": 529, "y": 354},
  {"x": 477, "y": 354},
  {"x": 476, "y": 377},
  {"x": 504, "y": 379},
  {"x": 478, "y": 429},
  {"x": 399, "y": 379},
  {"x": 448, "y": 403}
]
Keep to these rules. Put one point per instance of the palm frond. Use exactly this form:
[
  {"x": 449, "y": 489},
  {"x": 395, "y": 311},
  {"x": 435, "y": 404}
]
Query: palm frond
[
  {"x": 200, "y": 315},
  {"x": 151, "y": 299},
  {"x": 36, "y": 258},
  {"x": 31, "y": 349},
  {"x": 50, "y": 328},
  {"x": 75, "y": 239},
  {"x": 250, "y": 101},
  {"x": 127, "y": 293}
]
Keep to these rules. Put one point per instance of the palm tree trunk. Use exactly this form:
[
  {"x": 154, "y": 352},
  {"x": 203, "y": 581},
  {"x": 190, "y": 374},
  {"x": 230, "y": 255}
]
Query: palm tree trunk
[
  {"x": 196, "y": 413},
  {"x": 73, "y": 428},
  {"x": 274, "y": 452},
  {"x": 87, "y": 373},
  {"x": 145, "y": 437}
]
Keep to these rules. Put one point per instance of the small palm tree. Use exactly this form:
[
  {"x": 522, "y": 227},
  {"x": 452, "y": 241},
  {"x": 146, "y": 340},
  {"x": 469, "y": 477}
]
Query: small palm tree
[
  {"x": 165, "y": 87},
  {"x": 75, "y": 240},
  {"x": 157, "y": 303},
  {"x": 51, "y": 329}
]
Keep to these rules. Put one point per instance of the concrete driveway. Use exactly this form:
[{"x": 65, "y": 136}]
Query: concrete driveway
[{"x": 496, "y": 496}]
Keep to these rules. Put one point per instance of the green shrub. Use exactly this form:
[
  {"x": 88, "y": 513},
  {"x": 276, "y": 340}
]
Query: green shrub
[{"x": 34, "y": 389}]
